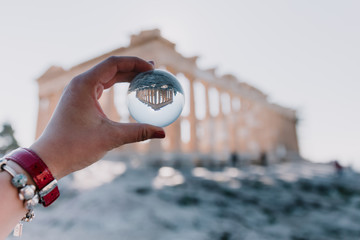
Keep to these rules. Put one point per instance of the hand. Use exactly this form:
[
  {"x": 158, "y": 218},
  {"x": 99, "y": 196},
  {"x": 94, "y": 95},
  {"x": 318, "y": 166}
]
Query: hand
[{"x": 79, "y": 133}]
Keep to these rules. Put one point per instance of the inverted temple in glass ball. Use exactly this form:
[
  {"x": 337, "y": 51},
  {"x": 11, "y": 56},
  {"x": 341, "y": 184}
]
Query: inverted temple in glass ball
[{"x": 155, "y": 97}]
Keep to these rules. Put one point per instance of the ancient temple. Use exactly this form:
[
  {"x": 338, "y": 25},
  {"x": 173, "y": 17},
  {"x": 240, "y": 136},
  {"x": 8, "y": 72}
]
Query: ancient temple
[
  {"x": 223, "y": 116},
  {"x": 155, "y": 98}
]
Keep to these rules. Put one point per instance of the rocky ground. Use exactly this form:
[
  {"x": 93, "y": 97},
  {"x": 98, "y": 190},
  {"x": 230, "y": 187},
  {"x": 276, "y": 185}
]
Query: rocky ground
[{"x": 111, "y": 200}]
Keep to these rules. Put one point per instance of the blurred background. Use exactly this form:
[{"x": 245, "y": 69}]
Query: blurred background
[{"x": 302, "y": 54}]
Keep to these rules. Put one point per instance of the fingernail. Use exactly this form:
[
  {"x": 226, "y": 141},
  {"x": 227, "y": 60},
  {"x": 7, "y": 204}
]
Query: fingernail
[
  {"x": 158, "y": 134},
  {"x": 152, "y": 63}
]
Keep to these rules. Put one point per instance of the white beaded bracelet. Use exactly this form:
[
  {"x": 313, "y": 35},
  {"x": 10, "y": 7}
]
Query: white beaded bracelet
[{"x": 27, "y": 194}]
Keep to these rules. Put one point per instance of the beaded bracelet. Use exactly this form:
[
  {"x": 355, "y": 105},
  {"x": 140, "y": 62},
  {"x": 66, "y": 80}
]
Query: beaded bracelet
[{"x": 27, "y": 194}]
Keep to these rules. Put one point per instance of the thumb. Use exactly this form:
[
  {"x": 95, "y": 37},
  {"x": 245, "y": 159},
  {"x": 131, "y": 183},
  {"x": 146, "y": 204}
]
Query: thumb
[{"x": 136, "y": 132}]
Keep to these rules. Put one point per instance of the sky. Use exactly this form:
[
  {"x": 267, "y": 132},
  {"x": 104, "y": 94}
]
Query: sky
[{"x": 303, "y": 54}]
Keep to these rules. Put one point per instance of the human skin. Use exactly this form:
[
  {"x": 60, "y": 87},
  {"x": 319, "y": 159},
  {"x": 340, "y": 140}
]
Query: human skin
[{"x": 79, "y": 133}]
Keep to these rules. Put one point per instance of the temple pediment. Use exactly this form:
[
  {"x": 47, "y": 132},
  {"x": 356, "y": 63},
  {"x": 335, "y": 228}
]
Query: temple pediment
[{"x": 51, "y": 72}]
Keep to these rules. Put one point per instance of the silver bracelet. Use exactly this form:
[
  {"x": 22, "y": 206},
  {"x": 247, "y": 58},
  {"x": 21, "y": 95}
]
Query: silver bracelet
[{"x": 27, "y": 193}]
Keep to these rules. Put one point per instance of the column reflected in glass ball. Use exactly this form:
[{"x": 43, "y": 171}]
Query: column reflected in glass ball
[{"x": 155, "y": 97}]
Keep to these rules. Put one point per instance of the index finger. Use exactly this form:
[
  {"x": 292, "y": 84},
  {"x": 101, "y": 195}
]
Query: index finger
[{"x": 106, "y": 71}]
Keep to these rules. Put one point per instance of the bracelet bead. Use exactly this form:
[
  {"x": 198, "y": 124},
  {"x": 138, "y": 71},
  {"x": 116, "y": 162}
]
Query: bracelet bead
[
  {"x": 31, "y": 203},
  {"x": 27, "y": 192},
  {"x": 19, "y": 180}
]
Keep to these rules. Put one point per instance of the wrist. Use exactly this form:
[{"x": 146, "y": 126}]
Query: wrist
[
  {"x": 48, "y": 157},
  {"x": 38, "y": 171}
]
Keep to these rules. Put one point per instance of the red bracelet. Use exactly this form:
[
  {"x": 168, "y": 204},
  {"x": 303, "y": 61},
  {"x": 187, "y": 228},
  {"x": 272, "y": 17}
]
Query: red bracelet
[{"x": 37, "y": 169}]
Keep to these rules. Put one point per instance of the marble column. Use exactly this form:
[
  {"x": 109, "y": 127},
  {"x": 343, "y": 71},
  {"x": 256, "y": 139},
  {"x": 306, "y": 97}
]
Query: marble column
[
  {"x": 231, "y": 126},
  {"x": 221, "y": 133},
  {"x": 207, "y": 124},
  {"x": 192, "y": 145}
]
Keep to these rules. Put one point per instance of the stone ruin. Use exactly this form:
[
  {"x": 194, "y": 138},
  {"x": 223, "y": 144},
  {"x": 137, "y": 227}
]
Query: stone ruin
[{"x": 225, "y": 120}]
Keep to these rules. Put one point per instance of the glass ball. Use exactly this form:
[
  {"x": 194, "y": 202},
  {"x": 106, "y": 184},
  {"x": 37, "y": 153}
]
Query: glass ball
[{"x": 155, "y": 97}]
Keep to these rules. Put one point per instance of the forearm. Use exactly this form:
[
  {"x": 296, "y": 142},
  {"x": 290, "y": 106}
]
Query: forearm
[
  {"x": 77, "y": 135},
  {"x": 11, "y": 207}
]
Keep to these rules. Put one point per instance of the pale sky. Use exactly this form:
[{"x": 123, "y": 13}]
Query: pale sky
[{"x": 304, "y": 54}]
